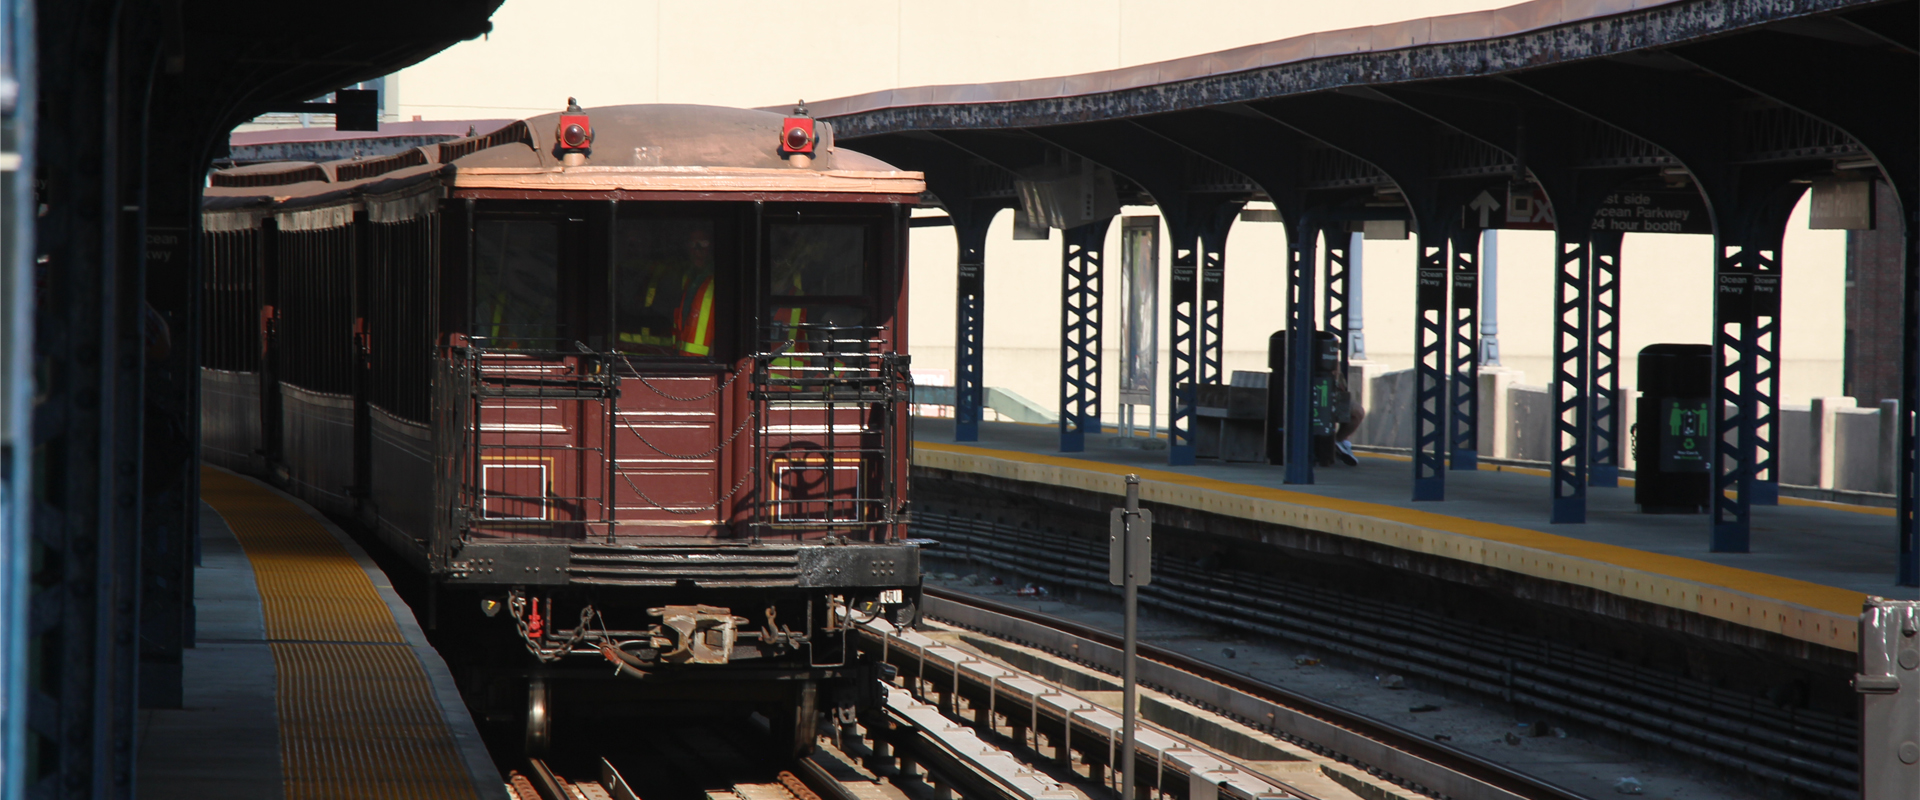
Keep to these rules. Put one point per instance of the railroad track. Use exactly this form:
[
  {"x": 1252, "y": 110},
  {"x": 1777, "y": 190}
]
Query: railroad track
[
  {"x": 1384, "y": 750},
  {"x": 1810, "y": 751}
]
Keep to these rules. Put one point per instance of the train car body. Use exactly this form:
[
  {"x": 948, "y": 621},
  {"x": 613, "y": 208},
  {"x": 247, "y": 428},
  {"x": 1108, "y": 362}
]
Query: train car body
[{"x": 626, "y": 383}]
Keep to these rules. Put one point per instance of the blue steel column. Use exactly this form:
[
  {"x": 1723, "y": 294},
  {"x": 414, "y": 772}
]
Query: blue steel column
[
  {"x": 1213, "y": 299},
  {"x": 16, "y": 359},
  {"x": 1302, "y": 240},
  {"x": 1572, "y": 287},
  {"x": 969, "y": 344},
  {"x": 1733, "y": 370},
  {"x": 1765, "y": 378},
  {"x": 1182, "y": 347},
  {"x": 1603, "y": 465},
  {"x": 1080, "y": 262},
  {"x": 1463, "y": 389},
  {"x": 1335, "y": 282},
  {"x": 1430, "y": 367}
]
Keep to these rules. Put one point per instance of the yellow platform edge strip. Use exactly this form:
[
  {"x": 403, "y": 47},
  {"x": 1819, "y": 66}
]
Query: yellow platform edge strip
[
  {"x": 357, "y": 713},
  {"x": 1801, "y": 610}
]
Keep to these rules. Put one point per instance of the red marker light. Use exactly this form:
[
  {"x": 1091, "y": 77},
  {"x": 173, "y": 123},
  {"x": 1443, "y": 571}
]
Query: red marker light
[
  {"x": 574, "y": 134},
  {"x": 797, "y": 135}
]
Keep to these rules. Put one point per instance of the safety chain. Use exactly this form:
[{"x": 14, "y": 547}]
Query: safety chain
[
  {"x": 517, "y": 605},
  {"x": 716, "y": 448},
  {"x": 731, "y": 377},
  {"x": 751, "y": 471}
]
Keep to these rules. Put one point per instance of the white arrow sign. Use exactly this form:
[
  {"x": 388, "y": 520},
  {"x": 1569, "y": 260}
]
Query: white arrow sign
[{"x": 1485, "y": 204}]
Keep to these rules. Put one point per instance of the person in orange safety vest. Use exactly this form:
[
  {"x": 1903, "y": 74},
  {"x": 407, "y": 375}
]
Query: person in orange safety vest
[{"x": 695, "y": 320}]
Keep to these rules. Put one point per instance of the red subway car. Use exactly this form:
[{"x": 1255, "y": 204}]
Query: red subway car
[{"x": 627, "y": 383}]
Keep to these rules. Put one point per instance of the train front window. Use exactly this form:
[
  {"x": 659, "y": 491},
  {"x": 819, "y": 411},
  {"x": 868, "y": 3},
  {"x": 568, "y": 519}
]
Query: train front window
[
  {"x": 818, "y": 278},
  {"x": 664, "y": 288},
  {"x": 516, "y": 283},
  {"x": 819, "y": 260}
]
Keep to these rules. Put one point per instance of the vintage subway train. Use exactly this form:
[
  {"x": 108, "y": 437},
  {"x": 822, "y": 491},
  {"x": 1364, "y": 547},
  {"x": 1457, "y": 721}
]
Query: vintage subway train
[{"x": 627, "y": 383}]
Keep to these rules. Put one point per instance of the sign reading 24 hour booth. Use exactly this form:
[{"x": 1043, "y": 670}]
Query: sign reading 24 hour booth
[{"x": 1655, "y": 211}]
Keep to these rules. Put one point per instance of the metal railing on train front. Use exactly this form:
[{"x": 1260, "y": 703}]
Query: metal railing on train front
[
  {"x": 829, "y": 432},
  {"x": 824, "y": 420}
]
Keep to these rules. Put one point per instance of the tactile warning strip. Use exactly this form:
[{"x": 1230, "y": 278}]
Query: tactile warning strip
[{"x": 357, "y": 714}]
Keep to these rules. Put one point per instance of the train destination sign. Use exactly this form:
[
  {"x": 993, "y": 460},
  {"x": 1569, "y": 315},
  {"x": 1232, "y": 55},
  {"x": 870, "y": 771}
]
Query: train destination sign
[{"x": 1649, "y": 211}]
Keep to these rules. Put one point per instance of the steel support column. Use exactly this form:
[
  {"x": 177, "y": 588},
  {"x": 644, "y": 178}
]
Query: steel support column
[
  {"x": 1571, "y": 363},
  {"x": 1080, "y": 272},
  {"x": 1765, "y": 396},
  {"x": 1302, "y": 241},
  {"x": 1336, "y": 281},
  {"x": 1603, "y": 462},
  {"x": 1430, "y": 367},
  {"x": 969, "y": 314},
  {"x": 1746, "y": 313},
  {"x": 1182, "y": 346},
  {"x": 1213, "y": 299},
  {"x": 1463, "y": 389}
]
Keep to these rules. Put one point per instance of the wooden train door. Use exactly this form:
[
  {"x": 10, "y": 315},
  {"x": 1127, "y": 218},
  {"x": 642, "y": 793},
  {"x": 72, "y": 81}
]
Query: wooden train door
[
  {"x": 535, "y": 448},
  {"x": 671, "y": 297},
  {"x": 827, "y": 434}
]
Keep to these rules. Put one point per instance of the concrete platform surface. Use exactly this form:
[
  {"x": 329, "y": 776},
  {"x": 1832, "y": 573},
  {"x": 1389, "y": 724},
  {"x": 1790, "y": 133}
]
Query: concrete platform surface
[
  {"x": 1811, "y": 566},
  {"x": 309, "y": 677}
]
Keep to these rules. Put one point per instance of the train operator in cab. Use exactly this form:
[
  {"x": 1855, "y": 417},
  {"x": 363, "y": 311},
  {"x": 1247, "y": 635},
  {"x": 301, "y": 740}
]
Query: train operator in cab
[{"x": 665, "y": 271}]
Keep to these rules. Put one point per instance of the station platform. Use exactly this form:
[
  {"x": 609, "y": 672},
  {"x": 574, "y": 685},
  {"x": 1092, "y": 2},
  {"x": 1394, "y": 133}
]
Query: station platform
[
  {"x": 309, "y": 677},
  {"x": 1812, "y": 563}
]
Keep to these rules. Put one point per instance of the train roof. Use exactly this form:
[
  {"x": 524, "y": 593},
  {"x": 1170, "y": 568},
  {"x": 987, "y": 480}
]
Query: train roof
[{"x": 636, "y": 148}]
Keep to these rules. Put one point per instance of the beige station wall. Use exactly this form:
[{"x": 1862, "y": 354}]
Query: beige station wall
[{"x": 751, "y": 53}]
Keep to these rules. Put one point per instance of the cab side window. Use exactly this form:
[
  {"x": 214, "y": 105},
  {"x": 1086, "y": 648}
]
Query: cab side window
[{"x": 516, "y": 284}]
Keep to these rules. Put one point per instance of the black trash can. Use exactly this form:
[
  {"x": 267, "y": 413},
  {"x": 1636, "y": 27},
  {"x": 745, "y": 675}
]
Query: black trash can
[
  {"x": 1327, "y": 400},
  {"x": 1673, "y": 429}
]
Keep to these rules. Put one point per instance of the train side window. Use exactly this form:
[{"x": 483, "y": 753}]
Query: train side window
[
  {"x": 664, "y": 287},
  {"x": 516, "y": 283},
  {"x": 819, "y": 260}
]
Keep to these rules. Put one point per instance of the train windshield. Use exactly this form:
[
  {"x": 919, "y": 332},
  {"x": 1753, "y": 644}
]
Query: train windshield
[
  {"x": 663, "y": 287},
  {"x": 818, "y": 279},
  {"x": 516, "y": 283}
]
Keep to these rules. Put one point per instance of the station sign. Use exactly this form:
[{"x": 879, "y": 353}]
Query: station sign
[{"x": 1526, "y": 207}]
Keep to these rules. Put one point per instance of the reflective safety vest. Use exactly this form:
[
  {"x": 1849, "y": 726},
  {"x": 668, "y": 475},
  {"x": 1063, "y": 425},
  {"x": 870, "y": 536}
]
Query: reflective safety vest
[{"x": 695, "y": 321}]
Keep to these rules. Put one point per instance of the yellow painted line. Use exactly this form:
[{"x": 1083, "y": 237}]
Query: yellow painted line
[
  {"x": 357, "y": 714},
  {"x": 1627, "y": 483},
  {"x": 1802, "y": 610}
]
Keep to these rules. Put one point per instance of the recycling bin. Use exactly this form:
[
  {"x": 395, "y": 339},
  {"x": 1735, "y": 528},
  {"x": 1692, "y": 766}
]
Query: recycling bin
[
  {"x": 1329, "y": 401},
  {"x": 1673, "y": 429}
]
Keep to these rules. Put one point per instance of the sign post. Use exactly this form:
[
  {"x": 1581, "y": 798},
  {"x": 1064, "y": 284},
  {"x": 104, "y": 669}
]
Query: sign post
[{"x": 1129, "y": 565}]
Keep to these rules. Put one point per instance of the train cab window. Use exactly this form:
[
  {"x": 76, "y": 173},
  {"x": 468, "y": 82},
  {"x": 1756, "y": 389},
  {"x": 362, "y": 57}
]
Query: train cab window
[
  {"x": 818, "y": 278},
  {"x": 663, "y": 287},
  {"x": 819, "y": 260},
  {"x": 516, "y": 283}
]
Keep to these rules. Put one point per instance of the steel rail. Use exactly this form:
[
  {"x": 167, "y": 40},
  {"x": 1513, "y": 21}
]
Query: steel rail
[
  {"x": 1465, "y": 764},
  {"x": 1802, "y": 750}
]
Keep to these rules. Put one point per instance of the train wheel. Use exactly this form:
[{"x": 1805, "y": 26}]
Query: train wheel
[{"x": 539, "y": 718}]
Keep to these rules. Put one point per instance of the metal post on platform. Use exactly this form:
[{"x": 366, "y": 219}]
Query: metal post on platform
[
  {"x": 1888, "y": 682},
  {"x": 1356, "y": 321},
  {"x": 1129, "y": 565},
  {"x": 1490, "y": 298}
]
